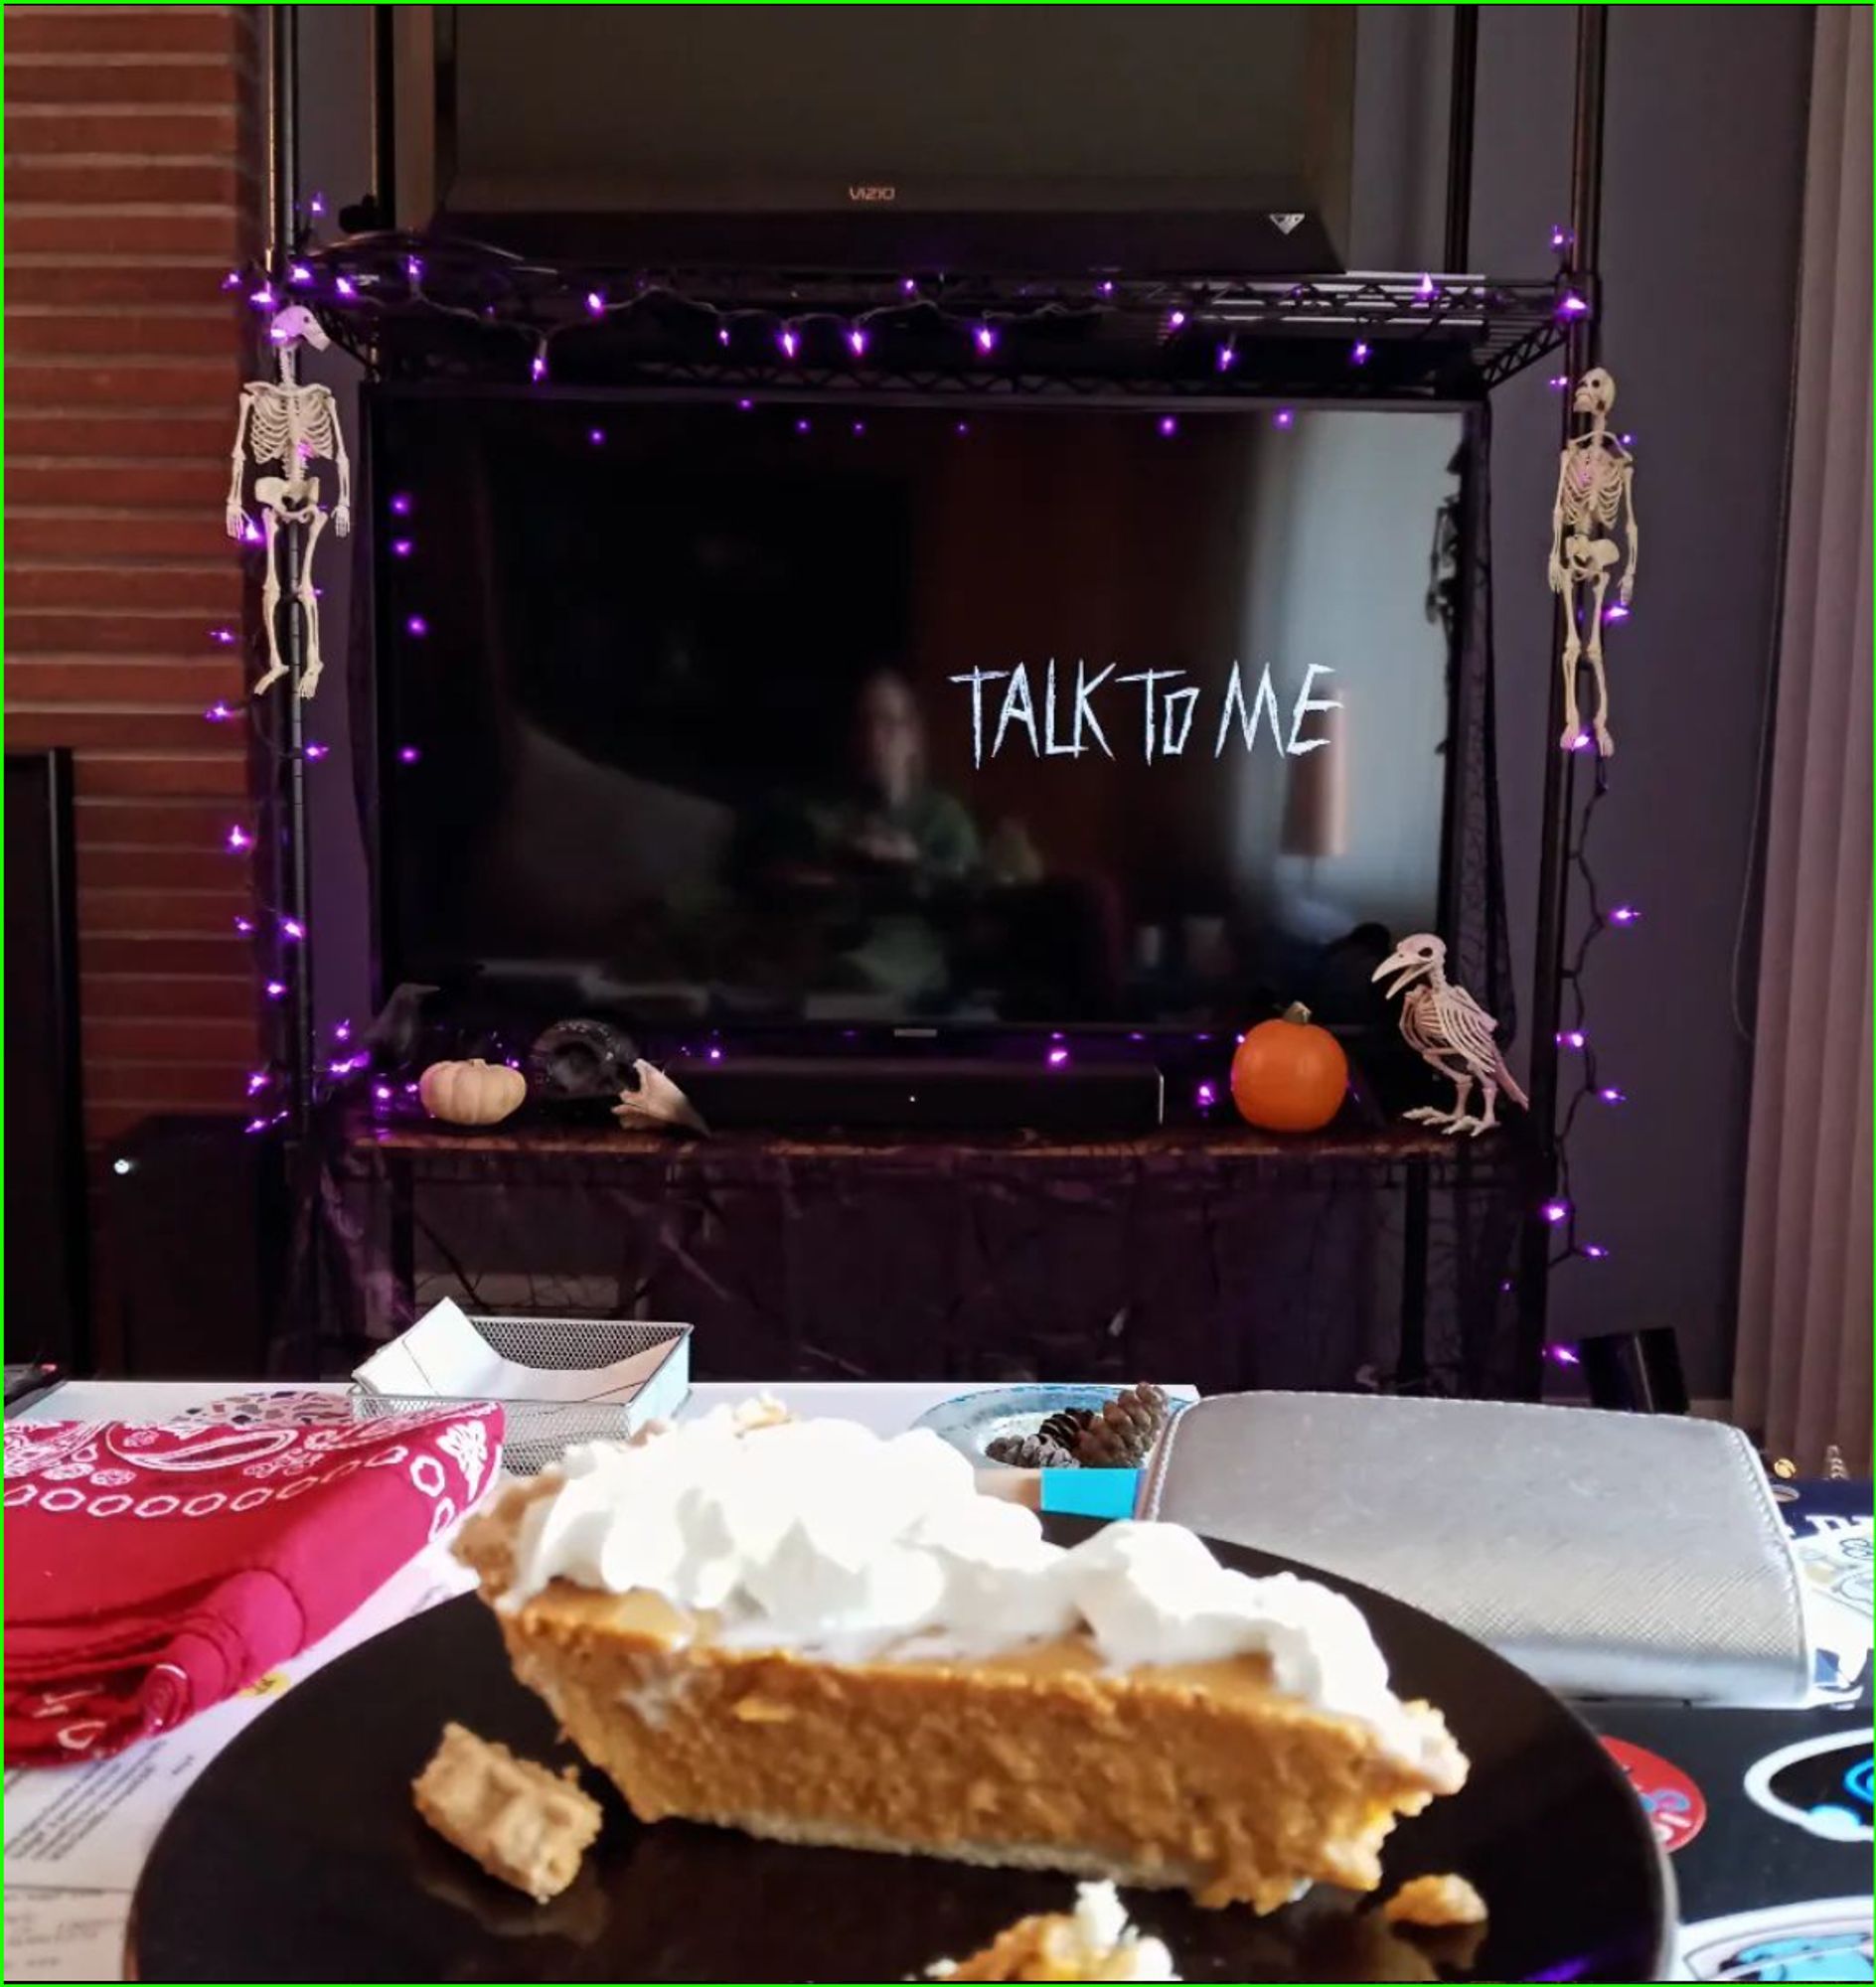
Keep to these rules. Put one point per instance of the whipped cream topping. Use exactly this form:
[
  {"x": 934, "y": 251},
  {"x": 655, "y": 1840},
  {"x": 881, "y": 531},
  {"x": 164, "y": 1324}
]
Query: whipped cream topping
[
  {"x": 820, "y": 1536},
  {"x": 1096, "y": 1941}
]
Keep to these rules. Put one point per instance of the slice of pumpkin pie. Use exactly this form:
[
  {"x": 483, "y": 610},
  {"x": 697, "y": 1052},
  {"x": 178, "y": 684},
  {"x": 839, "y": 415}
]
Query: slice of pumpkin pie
[{"x": 820, "y": 1636}]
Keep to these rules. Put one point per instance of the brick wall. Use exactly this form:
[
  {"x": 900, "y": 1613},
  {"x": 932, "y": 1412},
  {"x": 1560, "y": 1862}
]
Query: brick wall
[{"x": 130, "y": 190}]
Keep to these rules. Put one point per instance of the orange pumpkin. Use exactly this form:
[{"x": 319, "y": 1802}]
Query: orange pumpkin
[{"x": 1288, "y": 1075}]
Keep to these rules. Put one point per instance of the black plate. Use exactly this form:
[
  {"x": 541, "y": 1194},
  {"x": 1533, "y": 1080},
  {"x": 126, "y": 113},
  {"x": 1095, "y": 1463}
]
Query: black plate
[{"x": 298, "y": 1855}]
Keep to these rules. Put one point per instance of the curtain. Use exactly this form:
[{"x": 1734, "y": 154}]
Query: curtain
[{"x": 1801, "y": 1375}]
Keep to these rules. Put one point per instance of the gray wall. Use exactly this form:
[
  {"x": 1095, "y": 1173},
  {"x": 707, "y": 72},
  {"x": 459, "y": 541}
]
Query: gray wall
[{"x": 1702, "y": 200}]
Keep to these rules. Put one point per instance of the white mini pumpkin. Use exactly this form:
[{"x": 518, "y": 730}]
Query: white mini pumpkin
[{"x": 471, "y": 1093}]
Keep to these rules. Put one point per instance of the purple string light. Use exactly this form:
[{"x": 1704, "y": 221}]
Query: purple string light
[
  {"x": 245, "y": 926},
  {"x": 597, "y": 437},
  {"x": 239, "y": 839},
  {"x": 1284, "y": 417},
  {"x": 402, "y": 504},
  {"x": 1571, "y": 305},
  {"x": 404, "y": 548},
  {"x": 217, "y": 713},
  {"x": 276, "y": 989},
  {"x": 409, "y": 755},
  {"x": 416, "y": 627},
  {"x": 856, "y": 342},
  {"x": 1169, "y": 426},
  {"x": 1360, "y": 355},
  {"x": 1058, "y": 1058},
  {"x": 346, "y": 288},
  {"x": 1227, "y": 357},
  {"x": 1554, "y": 1211},
  {"x": 789, "y": 341},
  {"x": 597, "y": 303},
  {"x": 986, "y": 337},
  {"x": 292, "y": 930},
  {"x": 1562, "y": 1355},
  {"x": 316, "y": 752}
]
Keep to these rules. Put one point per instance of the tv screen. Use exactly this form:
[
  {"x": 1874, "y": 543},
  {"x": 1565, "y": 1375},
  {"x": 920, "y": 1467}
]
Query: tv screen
[{"x": 772, "y": 714}]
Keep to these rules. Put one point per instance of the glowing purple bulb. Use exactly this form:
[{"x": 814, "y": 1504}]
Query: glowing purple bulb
[
  {"x": 1206, "y": 1096},
  {"x": 715, "y": 1054},
  {"x": 239, "y": 839},
  {"x": 299, "y": 274},
  {"x": 962, "y": 427},
  {"x": 860, "y": 428},
  {"x": 255, "y": 1125},
  {"x": 409, "y": 755},
  {"x": 1562, "y": 1355},
  {"x": 803, "y": 425},
  {"x": 276, "y": 989},
  {"x": 252, "y": 534},
  {"x": 346, "y": 287},
  {"x": 1058, "y": 1058},
  {"x": 1571, "y": 305},
  {"x": 745, "y": 405},
  {"x": 1554, "y": 1211},
  {"x": 1105, "y": 287},
  {"x": 908, "y": 286},
  {"x": 403, "y": 548},
  {"x": 401, "y": 504},
  {"x": 1616, "y": 611},
  {"x": 1227, "y": 358},
  {"x": 1596, "y": 1252},
  {"x": 256, "y": 1082},
  {"x": 790, "y": 343},
  {"x": 416, "y": 627},
  {"x": 537, "y": 367},
  {"x": 245, "y": 926},
  {"x": 1610, "y": 1094},
  {"x": 1360, "y": 355},
  {"x": 381, "y": 1091},
  {"x": 1176, "y": 322},
  {"x": 1426, "y": 288},
  {"x": 1557, "y": 381},
  {"x": 1560, "y": 237},
  {"x": 316, "y": 752},
  {"x": 986, "y": 338},
  {"x": 856, "y": 342},
  {"x": 291, "y": 929},
  {"x": 414, "y": 268},
  {"x": 342, "y": 1032},
  {"x": 316, "y": 206},
  {"x": 1581, "y": 742},
  {"x": 1284, "y": 417},
  {"x": 1169, "y": 426},
  {"x": 264, "y": 298},
  {"x": 723, "y": 334},
  {"x": 1624, "y": 914},
  {"x": 233, "y": 280},
  {"x": 597, "y": 437},
  {"x": 1571, "y": 1038},
  {"x": 217, "y": 713},
  {"x": 597, "y": 303}
]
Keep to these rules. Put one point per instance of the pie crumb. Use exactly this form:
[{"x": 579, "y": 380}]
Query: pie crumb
[
  {"x": 525, "y": 1824},
  {"x": 1094, "y": 1941},
  {"x": 1434, "y": 1901}
]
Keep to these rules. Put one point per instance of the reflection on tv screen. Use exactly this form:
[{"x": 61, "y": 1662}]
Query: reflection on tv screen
[{"x": 762, "y": 713}]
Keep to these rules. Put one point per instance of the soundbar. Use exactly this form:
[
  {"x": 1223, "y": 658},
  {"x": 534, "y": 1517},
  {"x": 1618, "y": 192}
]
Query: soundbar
[{"x": 838, "y": 1093}]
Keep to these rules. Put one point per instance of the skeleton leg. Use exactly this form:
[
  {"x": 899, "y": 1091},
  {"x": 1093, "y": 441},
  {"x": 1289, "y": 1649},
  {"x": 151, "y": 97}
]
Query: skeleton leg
[
  {"x": 1488, "y": 1118},
  {"x": 270, "y": 606},
  {"x": 1605, "y": 744},
  {"x": 1461, "y": 1079},
  {"x": 309, "y": 606},
  {"x": 1572, "y": 653}
]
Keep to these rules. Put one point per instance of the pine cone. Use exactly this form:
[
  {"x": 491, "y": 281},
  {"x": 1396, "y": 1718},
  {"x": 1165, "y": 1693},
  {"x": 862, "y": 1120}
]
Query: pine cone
[
  {"x": 1031, "y": 1452},
  {"x": 1123, "y": 1433},
  {"x": 1065, "y": 1426}
]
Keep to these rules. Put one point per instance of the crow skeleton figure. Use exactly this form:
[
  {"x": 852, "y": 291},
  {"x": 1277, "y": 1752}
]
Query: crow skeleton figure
[
  {"x": 1595, "y": 493},
  {"x": 283, "y": 426},
  {"x": 1447, "y": 1028}
]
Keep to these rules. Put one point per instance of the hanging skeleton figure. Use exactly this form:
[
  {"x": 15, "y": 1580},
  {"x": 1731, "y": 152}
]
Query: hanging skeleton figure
[
  {"x": 1447, "y": 1028},
  {"x": 1595, "y": 488},
  {"x": 285, "y": 425}
]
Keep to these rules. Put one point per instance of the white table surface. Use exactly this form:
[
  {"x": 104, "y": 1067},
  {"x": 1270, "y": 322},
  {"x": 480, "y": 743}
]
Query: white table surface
[{"x": 886, "y": 1406}]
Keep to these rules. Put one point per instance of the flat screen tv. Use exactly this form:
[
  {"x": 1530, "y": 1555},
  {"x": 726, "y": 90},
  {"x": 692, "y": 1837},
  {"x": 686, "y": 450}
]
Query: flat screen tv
[{"x": 711, "y": 713}]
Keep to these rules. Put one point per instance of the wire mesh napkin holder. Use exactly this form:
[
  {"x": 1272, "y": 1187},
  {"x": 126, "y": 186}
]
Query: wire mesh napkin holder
[{"x": 639, "y": 1372}]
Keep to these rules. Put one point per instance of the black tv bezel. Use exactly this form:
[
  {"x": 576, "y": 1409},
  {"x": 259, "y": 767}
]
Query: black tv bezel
[{"x": 1178, "y": 1047}]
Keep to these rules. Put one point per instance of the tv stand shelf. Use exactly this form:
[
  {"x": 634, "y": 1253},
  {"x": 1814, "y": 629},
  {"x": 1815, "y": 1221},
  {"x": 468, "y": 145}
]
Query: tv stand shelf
[{"x": 1214, "y": 1254}]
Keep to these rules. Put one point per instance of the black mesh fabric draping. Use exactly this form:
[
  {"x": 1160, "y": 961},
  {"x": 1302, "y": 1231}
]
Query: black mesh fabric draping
[{"x": 1212, "y": 1256}]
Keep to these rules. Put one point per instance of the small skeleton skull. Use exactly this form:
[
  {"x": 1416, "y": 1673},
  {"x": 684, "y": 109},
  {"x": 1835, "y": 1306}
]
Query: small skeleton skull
[
  {"x": 1595, "y": 393},
  {"x": 282, "y": 428}
]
